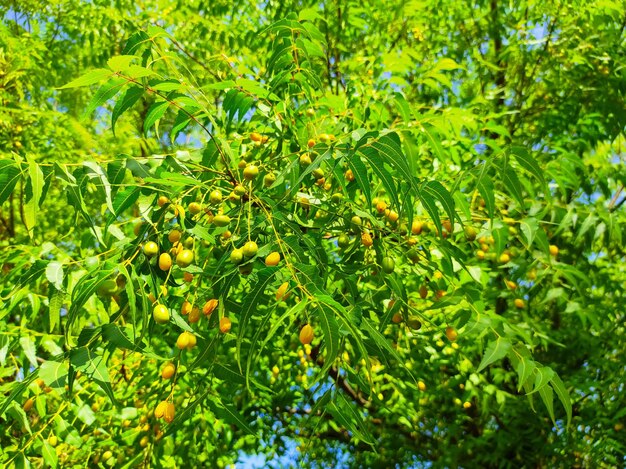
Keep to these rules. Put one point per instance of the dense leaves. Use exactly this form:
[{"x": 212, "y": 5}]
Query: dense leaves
[{"x": 356, "y": 234}]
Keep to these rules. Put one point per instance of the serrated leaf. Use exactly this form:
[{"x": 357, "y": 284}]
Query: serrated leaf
[
  {"x": 436, "y": 189},
  {"x": 124, "y": 103},
  {"x": 125, "y": 199},
  {"x": 229, "y": 413},
  {"x": 89, "y": 78},
  {"x": 250, "y": 303},
  {"x": 104, "y": 93},
  {"x": 484, "y": 184},
  {"x": 385, "y": 177},
  {"x": 94, "y": 366},
  {"x": 54, "y": 373},
  {"x": 32, "y": 204},
  {"x": 54, "y": 274},
  {"x": 9, "y": 175},
  {"x": 496, "y": 350},
  {"x": 330, "y": 329},
  {"x": 561, "y": 392},
  {"x": 547, "y": 397},
  {"x": 349, "y": 418},
  {"x": 155, "y": 112},
  {"x": 527, "y": 162},
  {"x": 360, "y": 176},
  {"x": 513, "y": 185},
  {"x": 54, "y": 308},
  {"x": 49, "y": 454}
]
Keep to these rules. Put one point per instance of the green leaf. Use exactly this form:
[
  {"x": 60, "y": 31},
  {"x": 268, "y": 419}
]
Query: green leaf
[
  {"x": 563, "y": 395},
  {"x": 547, "y": 397},
  {"x": 527, "y": 162},
  {"x": 106, "y": 92},
  {"x": 155, "y": 112},
  {"x": 229, "y": 413},
  {"x": 125, "y": 199},
  {"x": 436, "y": 189},
  {"x": 126, "y": 101},
  {"x": 9, "y": 175},
  {"x": 54, "y": 274},
  {"x": 495, "y": 351},
  {"x": 513, "y": 185},
  {"x": 49, "y": 454},
  {"x": 360, "y": 175},
  {"x": 346, "y": 415},
  {"x": 385, "y": 177},
  {"x": 330, "y": 329},
  {"x": 484, "y": 184},
  {"x": 54, "y": 374},
  {"x": 94, "y": 366},
  {"x": 32, "y": 204},
  {"x": 250, "y": 303},
  {"x": 89, "y": 78},
  {"x": 54, "y": 308}
]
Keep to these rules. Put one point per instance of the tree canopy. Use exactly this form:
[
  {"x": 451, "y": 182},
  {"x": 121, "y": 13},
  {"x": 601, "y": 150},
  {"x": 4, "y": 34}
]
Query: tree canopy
[{"x": 366, "y": 234}]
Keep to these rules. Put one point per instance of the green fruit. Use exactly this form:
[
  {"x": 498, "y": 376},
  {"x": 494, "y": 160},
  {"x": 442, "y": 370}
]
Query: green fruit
[
  {"x": 343, "y": 241},
  {"x": 305, "y": 160},
  {"x": 221, "y": 220},
  {"x": 336, "y": 197},
  {"x": 250, "y": 249},
  {"x": 318, "y": 173},
  {"x": 215, "y": 197},
  {"x": 470, "y": 233},
  {"x": 188, "y": 243},
  {"x": 250, "y": 172},
  {"x": 388, "y": 265},
  {"x": 414, "y": 324},
  {"x": 413, "y": 254},
  {"x": 108, "y": 288},
  {"x": 356, "y": 221},
  {"x": 246, "y": 269},
  {"x": 269, "y": 179},
  {"x": 239, "y": 190},
  {"x": 195, "y": 208},
  {"x": 150, "y": 249},
  {"x": 161, "y": 314},
  {"x": 236, "y": 257},
  {"x": 184, "y": 258}
]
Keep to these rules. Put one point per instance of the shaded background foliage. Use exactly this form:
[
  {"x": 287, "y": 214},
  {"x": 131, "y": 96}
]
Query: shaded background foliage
[{"x": 517, "y": 110}]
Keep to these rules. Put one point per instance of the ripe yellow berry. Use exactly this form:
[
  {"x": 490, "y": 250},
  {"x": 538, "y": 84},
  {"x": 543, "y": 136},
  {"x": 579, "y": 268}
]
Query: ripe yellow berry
[
  {"x": 225, "y": 325},
  {"x": 194, "y": 315},
  {"x": 349, "y": 175},
  {"x": 451, "y": 333},
  {"x": 467, "y": 405},
  {"x": 281, "y": 292},
  {"x": 310, "y": 143},
  {"x": 519, "y": 303},
  {"x": 165, "y": 261},
  {"x": 161, "y": 314},
  {"x": 272, "y": 259},
  {"x": 554, "y": 250},
  {"x": 195, "y": 208},
  {"x": 366, "y": 240},
  {"x": 421, "y": 385},
  {"x": 174, "y": 236},
  {"x": 161, "y": 201},
  {"x": 160, "y": 409},
  {"x": 504, "y": 258},
  {"x": 28, "y": 404},
  {"x": 416, "y": 227},
  {"x": 512, "y": 285},
  {"x": 168, "y": 370},
  {"x": 209, "y": 306},
  {"x": 306, "y": 334},
  {"x": 169, "y": 413},
  {"x": 256, "y": 137},
  {"x": 186, "y": 308}
]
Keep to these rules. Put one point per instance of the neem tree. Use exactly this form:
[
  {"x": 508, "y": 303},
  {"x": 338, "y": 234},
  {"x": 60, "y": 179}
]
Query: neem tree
[{"x": 365, "y": 230}]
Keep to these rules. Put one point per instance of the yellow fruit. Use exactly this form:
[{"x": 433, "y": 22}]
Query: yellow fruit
[
  {"x": 250, "y": 172},
  {"x": 53, "y": 440},
  {"x": 209, "y": 306},
  {"x": 467, "y": 405},
  {"x": 107, "y": 455},
  {"x": 310, "y": 143},
  {"x": 381, "y": 207},
  {"x": 440, "y": 294},
  {"x": 215, "y": 197},
  {"x": 272, "y": 259},
  {"x": 306, "y": 334},
  {"x": 393, "y": 216},
  {"x": 438, "y": 275},
  {"x": 480, "y": 254},
  {"x": 250, "y": 249},
  {"x": 195, "y": 208},
  {"x": 423, "y": 292},
  {"x": 236, "y": 257},
  {"x": 519, "y": 303},
  {"x": 160, "y": 409},
  {"x": 366, "y": 240},
  {"x": 144, "y": 441},
  {"x": 416, "y": 227},
  {"x": 170, "y": 412},
  {"x": 281, "y": 292},
  {"x": 165, "y": 261},
  {"x": 174, "y": 236},
  {"x": 225, "y": 325},
  {"x": 28, "y": 404},
  {"x": 554, "y": 250},
  {"x": 186, "y": 308},
  {"x": 421, "y": 386},
  {"x": 194, "y": 315},
  {"x": 183, "y": 340},
  {"x": 305, "y": 160},
  {"x": 161, "y": 314},
  {"x": 161, "y": 201},
  {"x": 504, "y": 258},
  {"x": 349, "y": 175},
  {"x": 512, "y": 285},
  {"x": 168, "y": 370},
  {"x": 184, "y": 258},
  {"x": 451, "y": 333},
  {"x": 256, "y": 137},
  {"x": 192, "y": 340},
  {"x": 221, "y": 220},
  {"x": 150, "y": 249},
  {"x": 226, "y": 234},
  {"x": 176, "y": 249}
]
